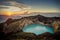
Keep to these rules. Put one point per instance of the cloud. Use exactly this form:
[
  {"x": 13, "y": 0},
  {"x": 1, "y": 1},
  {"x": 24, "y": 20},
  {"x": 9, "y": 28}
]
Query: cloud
[
  {"x": 9, "y": 8},
  {"x": 13, "y": 6},
  {"x": 16, "y": 4}
]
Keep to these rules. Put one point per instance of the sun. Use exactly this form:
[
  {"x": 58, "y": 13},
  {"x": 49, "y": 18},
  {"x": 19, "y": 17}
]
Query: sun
[{"x": 9, "y": 13}]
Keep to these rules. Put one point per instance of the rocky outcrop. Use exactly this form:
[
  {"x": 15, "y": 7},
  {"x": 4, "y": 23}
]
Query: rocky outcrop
[
  {"x": 13, "y": 27},
  {"x": 31, "y": 36},
  {"x": 56, "y": 25},
  {"x": 21, "y": 35},
  {"x": 46, "y": 36}
]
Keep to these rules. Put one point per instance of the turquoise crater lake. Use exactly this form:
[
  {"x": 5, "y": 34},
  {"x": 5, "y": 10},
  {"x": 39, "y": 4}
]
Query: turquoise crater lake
[{"x": 38, "y": 29}]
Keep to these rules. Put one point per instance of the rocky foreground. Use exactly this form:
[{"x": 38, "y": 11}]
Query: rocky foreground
[
  {"x": 12, "y": 28},
  {"x": 19, "y": 35}
]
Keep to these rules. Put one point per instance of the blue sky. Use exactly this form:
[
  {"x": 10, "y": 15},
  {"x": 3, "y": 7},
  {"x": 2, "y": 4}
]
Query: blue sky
[{"x": 43, "y": 5}]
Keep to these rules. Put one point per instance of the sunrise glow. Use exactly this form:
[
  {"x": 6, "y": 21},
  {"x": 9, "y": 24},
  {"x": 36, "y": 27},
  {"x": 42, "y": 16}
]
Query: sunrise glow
[{"x": 9, "y": 13}]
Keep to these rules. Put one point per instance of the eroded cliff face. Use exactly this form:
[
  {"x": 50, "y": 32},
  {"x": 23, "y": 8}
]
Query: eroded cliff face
[
  {"x": 14, "y": 25},
  {"x": 11, "y": 26}
]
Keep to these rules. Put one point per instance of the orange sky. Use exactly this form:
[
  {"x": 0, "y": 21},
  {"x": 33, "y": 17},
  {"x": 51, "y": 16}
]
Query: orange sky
[{"x": 11, "y": 13}]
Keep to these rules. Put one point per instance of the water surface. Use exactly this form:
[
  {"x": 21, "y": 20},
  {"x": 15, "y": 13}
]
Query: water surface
[{"x": 38, "y": 29}]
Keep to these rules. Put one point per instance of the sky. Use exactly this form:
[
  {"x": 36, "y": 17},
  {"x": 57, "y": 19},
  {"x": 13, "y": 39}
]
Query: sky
[
  {"x": 42, "y": 5},
  {"x": 19, "y": 6}
]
